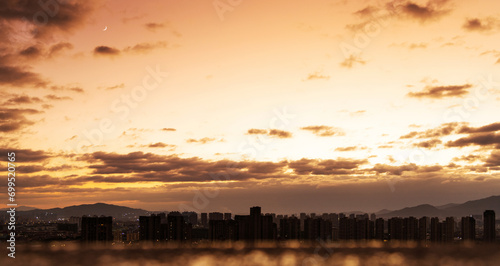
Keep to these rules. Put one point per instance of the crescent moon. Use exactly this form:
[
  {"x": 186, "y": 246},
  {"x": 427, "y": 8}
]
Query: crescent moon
[{"x": 105, "y": 28}]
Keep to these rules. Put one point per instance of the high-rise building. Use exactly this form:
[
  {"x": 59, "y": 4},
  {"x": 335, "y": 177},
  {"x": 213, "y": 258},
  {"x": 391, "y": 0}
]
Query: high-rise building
[
  {"x": 422, "y": 228},
  {"x": 436, "y": 235},
  {"x": 489, "y": 231},
  {"x": 410, "y": 228},
  {"x": 223, "y": 230},
  {"x": 97, "y": 228},
  {"x": 290, "y": 228},
  {"x": 379, "y": 229},
  {"x": 468, "y": 228},
  {"x": 190, "y": 217},
  {"x": 204, "y": 220},
  {"x": 395, "y": 228},
  {"x": 216, "y": 216},
  {"x": 227, "y": 216},
  {"x": 449, "y": 229},
  {"x": 150, "y": 228},
  {"x": 177, "y": 228}
]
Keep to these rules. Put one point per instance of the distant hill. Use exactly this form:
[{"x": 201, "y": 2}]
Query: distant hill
[
  {"x": 452, "y": 209},
  {"x": 119, "y": 212},
  {"x": 21, "y": 208}
]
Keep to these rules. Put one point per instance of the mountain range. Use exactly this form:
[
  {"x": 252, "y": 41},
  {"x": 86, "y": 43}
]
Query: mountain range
[{"x": 473, "y": 207}]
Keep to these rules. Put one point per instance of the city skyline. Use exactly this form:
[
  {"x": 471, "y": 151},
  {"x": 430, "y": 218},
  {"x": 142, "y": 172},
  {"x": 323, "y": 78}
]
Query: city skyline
[{"x": 330, "y": 105}]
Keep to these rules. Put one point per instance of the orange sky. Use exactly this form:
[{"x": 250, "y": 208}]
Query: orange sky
[{"x": 221, "y": 105}]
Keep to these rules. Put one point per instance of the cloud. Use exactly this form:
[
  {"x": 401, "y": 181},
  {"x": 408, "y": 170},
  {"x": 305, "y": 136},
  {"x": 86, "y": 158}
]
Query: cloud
[
  {"x": 479, "y": 139},
  {"x": 339, "y": 166},
  {"x": 324, "y": 131},
  {"x": 351, "y": 60},
  {"x": 138, "y": 48},
  {"x": 31, "y": 52},
  {"x": 487, "y": 128},
  {"x": 428, "y": 144},
  {"x": 202, "y": 141},
  {"x": 62, "y": 16},
  {"x": 57, "y": 98},
  {"x": 119, "y": 86},
  {"x": 28, "y": 155},
  {"x": 481, "y": 25},
  {"x": 160, "y": 145},
  {"x": 168, "y": 129},
  {"x": 145, "y": 47},
  {"x": 254, "y": 131},
  {"x": 271, "y": 133},
  {"x": 433, "y": 10},
  {"x": 22, "y": 99},
  {"x": 439, "y": 92},
  {"x": 106, "y": 50},
  {"x": 316, "y": 76},
  {"x": 19, "y": 77},
  {"x": 350, "y": 148},
  {"x": 59, "y": 47},
  {"x": 443, "y": 130},
  {"x": 494, "y": 159},
  {"x": 13, "y": 119},
  {"x": 153, "y": 26},
  {"x": 279, "y": 133}
]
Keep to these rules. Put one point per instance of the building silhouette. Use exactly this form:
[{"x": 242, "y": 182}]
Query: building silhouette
[
  {"x": 468, "y": 228},
  {"x": 97, "y": 228},
  {"x": 489, "y": 231},
  {"x": 289, "y": 228},
  {"x": 177, "y": 228},
  {"x": 150, "y": 228},
  {"x": 204, "y": 220}
]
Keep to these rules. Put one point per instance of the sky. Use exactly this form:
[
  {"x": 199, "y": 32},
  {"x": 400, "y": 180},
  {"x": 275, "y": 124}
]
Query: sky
[{"x": 295, "y": 106}]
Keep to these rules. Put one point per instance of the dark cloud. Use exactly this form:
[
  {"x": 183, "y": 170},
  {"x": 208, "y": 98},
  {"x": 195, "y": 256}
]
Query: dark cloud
[
  {"x": 106, "y": 50},
  {"x": 64, "y": 16},
  {"x": 27, "y": 155},
  {"x": 479, "y": 139},
  {"x": 428, "y": 144},
  {"x": 398, "y": 170},
  {"x": 168, "y": 129},
  {"x": 494, "y": 159},
  {"x": 433, "y": 10},
  {"x": 324, "y": 131},
  {"x": 160, "y": 145},
  {"x": 339, "y": 166},
  {"x": 13, "y": 119},
  {"x": 481, "y": 25},
  {"x": 488, "y": 128},
  {"x": 22, "y": 99},
  {"x": 31, "y": 52},
  {"x": 443, "y": 130},
  {"x": 439, "y": 92},
  {"x": 20, "y": 77}
]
